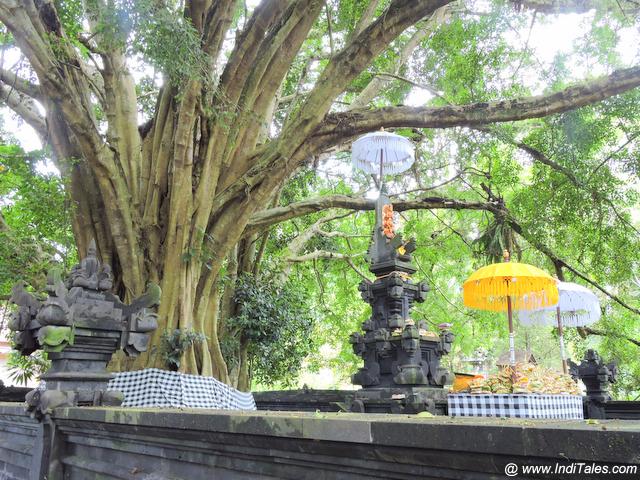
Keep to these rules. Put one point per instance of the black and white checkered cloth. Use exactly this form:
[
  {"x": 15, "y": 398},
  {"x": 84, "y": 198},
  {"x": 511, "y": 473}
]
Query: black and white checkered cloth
[
  {"x": 159, "y": 388},
  {"x": 516, "y": 406}
]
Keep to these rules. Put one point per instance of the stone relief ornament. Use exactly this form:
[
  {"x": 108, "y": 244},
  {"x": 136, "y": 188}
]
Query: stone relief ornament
[{"x": 80, "y": 325}]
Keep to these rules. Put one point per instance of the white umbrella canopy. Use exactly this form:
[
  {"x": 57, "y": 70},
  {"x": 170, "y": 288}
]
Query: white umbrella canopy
[
  {"x": 382, "y": 153},
  {"x": 578, "y": 305}
]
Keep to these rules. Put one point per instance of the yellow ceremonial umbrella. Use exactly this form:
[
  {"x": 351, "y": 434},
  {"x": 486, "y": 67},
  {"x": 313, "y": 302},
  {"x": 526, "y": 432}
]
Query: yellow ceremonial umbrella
[{"x": 509, "y": 285}]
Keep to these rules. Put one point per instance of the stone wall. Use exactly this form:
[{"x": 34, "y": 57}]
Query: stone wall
[
  {"x": 304, "y": 400},
  {"x": 13, "y": 394},
  {"x": 24, "y": 451},
  {"x": 132, "y": 444}
]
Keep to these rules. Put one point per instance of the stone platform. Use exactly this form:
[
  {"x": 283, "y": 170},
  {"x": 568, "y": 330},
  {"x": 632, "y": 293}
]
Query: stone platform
[{"x": 127, "y": 443}]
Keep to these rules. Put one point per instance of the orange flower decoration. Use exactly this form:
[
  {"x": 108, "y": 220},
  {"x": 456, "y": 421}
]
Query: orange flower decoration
[{"x": 387, "y": 221}]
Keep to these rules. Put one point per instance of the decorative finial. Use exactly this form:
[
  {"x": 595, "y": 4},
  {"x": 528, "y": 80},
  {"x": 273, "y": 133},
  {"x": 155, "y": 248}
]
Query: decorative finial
[{"x": 505, "y": 255}]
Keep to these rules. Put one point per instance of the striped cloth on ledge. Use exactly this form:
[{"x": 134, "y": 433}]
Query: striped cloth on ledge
[
  {"x": 515, "y": 406},
  {"x": 160, "y": 388}
]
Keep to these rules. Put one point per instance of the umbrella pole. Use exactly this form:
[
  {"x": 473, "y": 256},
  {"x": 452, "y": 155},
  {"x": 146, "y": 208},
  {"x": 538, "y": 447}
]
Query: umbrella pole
[
  {"x": 512, "y": 345},
  {"x": 381, "y": 155},
  {"x": 561, "y": 336}
]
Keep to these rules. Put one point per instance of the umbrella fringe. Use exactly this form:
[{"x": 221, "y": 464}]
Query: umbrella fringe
[
  {"x": 576, "y": 318},
  {"x": 526, "y": 294},
  {"x": 578, "y": 307}
]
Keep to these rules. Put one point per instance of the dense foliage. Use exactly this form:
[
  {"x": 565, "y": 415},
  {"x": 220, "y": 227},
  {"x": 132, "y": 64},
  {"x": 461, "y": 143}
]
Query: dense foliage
[
  {"x": 23, "y": 369},
  {"x": 275, "y": 325},
  {"x": 34, "y": 220}
]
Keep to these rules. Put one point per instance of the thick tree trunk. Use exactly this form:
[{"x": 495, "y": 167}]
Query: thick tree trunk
[{"x": 244, "y": 374}]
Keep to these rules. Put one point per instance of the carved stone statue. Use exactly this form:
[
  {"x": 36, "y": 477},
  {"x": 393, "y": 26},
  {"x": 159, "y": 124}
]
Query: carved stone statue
[
  {"x": 80, "y": 325},
  {"x": 596, "y": 376},
  {"x": 22, "y": 319}
]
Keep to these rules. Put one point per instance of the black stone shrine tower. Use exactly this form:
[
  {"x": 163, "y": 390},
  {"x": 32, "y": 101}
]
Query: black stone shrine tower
[{"x": 401, "y": 371}]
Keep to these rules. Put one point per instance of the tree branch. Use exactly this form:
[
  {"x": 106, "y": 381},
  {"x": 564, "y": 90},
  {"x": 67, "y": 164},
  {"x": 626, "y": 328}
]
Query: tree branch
[
  {"x": 630, "y": 139},
  {"x": 271, "y": 165},
  {"x": 356, "y": 269},
  {"x": 266, "y": 218},
  {"x": 65, "y": 86},
  {"x": 337, "y": 234},
  {"x": 36, "y": 28},
  {"x": 539, "y": 156},
  {"x": 327, "y": 255},
  {"x": 365, "y": 19},
  {"x": 120, "y": 107},
  {"x": 296, "y": 245},
  {"x": 25, "y": 107},
  {"x": 378, "y": 83},
  {"x": 273, "y": 59},
  {"x": 559, "y": 262},
  {"x": 338, "y": 127},
  {"x": 317, "y": 254},
  {"x": 348, "y": 63},
  {"x": 218, "y": 19},
  {"x": 321, "y": 254},
  {"x": 573, "y": 6},
  {"x": 22, "y": 85},
  {"x": 602, "y": 333},
  {"x": 247, "y": 46},
  {"x": 421, "y": 86},
  {"x": 329, "y": 28},
  {"x": 534, "y": 153}
]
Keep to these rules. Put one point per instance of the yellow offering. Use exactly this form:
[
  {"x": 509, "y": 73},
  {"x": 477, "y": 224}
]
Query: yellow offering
[{"x": 525, "y": 378}]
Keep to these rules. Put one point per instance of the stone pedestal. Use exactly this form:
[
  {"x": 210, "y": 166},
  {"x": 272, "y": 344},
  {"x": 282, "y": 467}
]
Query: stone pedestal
[
  {"x": 404, "y": 399},
  {"x": 81, "y": 367}
]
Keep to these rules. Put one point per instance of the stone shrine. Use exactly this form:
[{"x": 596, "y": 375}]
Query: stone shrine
[
  {"x": 80, "y": 325},
  {"x": 597, "y": 377},
  {"x": 401, "y": 372}
]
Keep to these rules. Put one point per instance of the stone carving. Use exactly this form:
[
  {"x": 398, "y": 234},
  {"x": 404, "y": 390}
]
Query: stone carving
[
  {"x": 401, "y": 357},
  {"x": 80, "y": 325},
  {"x": 21, "y": 320},
  {"x": 596, "y": 376}
]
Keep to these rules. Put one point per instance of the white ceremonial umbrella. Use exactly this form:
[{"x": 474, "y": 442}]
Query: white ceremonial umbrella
[
  {"x": 382, "y": 152},
  {"x": 577, "y": 306}
]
